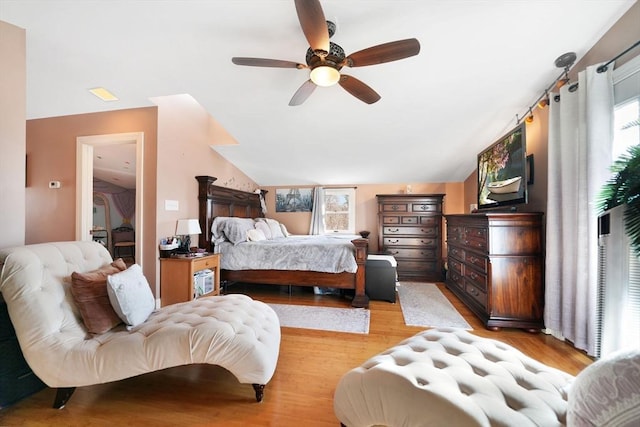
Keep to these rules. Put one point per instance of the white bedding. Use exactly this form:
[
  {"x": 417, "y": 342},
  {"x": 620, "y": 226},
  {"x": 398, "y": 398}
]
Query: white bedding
[{"x": 329, "y": 254}]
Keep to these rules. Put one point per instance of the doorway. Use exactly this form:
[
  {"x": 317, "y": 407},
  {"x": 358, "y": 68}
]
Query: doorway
[{"x": 84, "y": 183}]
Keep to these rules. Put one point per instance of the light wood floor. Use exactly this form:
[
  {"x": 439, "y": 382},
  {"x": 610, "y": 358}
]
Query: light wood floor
[{"x": 300, "y": 393}]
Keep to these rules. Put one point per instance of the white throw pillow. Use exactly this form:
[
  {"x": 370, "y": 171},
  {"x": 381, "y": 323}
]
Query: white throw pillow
[
  {"x": 255, "y": 235},
  {"x": 285, "y": 232},
  {"x": 262, "y": 226},
  {"x": 274, "y": 226},
  {"x": 607, "y": 392},
  {"x": 130, "y": 295}
]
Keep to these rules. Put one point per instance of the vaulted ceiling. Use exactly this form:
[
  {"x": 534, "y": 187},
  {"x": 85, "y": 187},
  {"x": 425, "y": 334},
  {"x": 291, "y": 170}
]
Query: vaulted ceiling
[{"x": 480, "y": 64}]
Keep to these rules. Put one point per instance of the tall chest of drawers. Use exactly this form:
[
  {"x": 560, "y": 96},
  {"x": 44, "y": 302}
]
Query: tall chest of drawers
[
  {"x": 495, "y": 267},
  {"x": 410, "y": 228}
]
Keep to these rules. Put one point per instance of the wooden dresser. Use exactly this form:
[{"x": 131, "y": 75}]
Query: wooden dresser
[
  {"x": 495, "y": 267},
  {"x": 410, "y": 229}
]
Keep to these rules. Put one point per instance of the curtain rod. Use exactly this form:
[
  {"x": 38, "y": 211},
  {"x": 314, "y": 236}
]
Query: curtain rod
[{"x": 603, "y": 68}]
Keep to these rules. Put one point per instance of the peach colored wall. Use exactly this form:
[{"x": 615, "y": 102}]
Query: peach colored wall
[
  {"x": 367, "y": 205},
  {"x": 51, "y": 153},
  {"x": 185, "y": 136},
  {"x": 13, "y": 101}
]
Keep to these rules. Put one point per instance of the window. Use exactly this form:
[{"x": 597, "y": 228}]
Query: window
[
  {"x": 626, "y": 128},
  {"x": 340, "y": 210},
  {"x": 626, "y": 92}
]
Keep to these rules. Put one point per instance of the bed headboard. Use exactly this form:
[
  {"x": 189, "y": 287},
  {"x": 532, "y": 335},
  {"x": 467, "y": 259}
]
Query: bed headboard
[{"x": 214, "y": 201}]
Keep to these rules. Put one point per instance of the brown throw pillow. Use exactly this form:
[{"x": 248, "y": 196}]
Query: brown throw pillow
[{"x": 89, "y": 291}]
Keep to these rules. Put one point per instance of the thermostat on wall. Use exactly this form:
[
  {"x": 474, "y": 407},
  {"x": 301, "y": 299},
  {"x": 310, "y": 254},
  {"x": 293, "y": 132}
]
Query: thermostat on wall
[{"x": 54, "y": 184}]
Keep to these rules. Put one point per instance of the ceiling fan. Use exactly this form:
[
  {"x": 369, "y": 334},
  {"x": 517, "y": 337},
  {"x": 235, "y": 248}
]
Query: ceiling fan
[{"x": 325, "y": 59}]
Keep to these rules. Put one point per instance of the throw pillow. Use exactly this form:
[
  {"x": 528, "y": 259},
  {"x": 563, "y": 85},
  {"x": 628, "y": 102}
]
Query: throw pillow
[
  {"x": 255, "y": 235},
  {"x": 607, "y": 392},
  {"x": 236, "y": 229},
  {"x": 274, "y": 226},
  {"x": 262, "y": 226},
  {"x": 131, "y": 296},
  {"x": 89, "y": 291}
]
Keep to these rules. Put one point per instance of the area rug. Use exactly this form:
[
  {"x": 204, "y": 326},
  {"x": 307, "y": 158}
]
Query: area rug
[
  {"x": 424, "y": 305},
  {"x": 353, "y": 320}
]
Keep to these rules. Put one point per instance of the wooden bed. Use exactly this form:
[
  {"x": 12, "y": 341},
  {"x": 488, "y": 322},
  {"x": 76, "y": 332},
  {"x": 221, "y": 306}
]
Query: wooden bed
[{"x": 216, "y": 201}]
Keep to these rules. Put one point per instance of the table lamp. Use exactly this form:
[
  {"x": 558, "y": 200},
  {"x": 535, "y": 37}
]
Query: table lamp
[{"x": 185, "y": 228}]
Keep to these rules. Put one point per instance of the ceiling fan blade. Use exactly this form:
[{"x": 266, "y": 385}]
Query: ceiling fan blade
[
  {"x": 302, "y": 93},
  {"x": 313, "y": 23},
  {"x": 263, "y": 62},
  {"x": 358, "y": 89},
  {"x": 381, "y": 53}
]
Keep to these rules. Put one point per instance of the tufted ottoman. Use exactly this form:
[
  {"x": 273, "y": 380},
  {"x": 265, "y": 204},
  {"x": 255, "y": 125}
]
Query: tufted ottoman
[{"x": 450, "y": 377}]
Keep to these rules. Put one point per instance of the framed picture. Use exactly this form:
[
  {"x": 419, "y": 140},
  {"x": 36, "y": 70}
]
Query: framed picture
[{"x": 294, "y": 200}]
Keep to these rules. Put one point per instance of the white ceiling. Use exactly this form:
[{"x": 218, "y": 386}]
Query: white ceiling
[{"x": 480, "y": 64}]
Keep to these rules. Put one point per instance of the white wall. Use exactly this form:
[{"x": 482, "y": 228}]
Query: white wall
[{"x": 13, "y": 105}]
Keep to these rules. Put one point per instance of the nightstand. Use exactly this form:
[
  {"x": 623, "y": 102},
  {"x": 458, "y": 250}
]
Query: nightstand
[
  {"x": 177, "y": 277},
  {"x": 16, "y": 378}
]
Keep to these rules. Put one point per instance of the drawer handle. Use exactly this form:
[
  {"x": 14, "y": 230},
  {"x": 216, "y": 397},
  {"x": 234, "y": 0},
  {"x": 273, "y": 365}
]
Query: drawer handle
[
  {"x": 424, "y": 207},
  {"x": 394, "y": 230},
  {"x": 394, "y": 207},
  {"x": 393, "y": 241},
  {"x": 474, "y": 276}
]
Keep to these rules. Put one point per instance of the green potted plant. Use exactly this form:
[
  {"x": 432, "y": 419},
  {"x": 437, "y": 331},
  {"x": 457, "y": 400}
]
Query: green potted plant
[{"x": 624, "y": 188}]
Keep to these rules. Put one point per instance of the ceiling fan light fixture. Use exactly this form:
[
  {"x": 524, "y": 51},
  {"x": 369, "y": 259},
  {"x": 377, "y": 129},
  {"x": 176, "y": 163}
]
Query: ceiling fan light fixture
[{"x": 324, "y": 75}]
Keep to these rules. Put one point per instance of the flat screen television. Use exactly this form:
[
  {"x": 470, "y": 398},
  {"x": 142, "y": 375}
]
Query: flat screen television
[{"x": 502, "y": 171}]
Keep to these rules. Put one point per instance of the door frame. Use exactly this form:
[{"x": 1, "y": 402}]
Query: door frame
[{"x": 84, "y": 183}]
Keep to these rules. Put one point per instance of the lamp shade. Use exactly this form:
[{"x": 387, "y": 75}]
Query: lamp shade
[{"x": 186, "y": 227}]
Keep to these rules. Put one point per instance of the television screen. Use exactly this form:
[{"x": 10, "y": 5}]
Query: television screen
[{"x": 502, "y": 179}]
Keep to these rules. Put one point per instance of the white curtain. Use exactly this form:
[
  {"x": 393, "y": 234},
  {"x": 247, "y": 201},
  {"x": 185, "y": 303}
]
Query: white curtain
[
  {"x": 580, "y": 136},
  {"x": 317, "y": 212}
]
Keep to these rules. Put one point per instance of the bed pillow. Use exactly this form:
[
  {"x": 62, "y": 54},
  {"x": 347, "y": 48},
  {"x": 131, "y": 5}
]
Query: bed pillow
[
  {"x": 264, "y": 228},
  {"x": 236, "y": 229},
  {"x": 255, "y": 235},
  {"x": 89, "y": 291},
  {"x": 285, "y": 232},
  {"x": 130, "y": 295},
  {"x": 217, "y": 229},
  {"x": 274, "y": 226}
]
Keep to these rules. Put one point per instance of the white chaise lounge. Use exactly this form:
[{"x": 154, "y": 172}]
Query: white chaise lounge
[{"x": 232, "y": 331}]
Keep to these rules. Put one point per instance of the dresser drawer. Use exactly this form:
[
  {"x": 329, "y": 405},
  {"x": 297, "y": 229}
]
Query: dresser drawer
[
  {"x": 429, "y": 220},
  {"x": 477, "y": 294},
  {"x": 424, "y": 253},
  {"x": 390, "y": 219},
  {"x": 458, "y": 253},
  {"x": 477, "y": 261},
  {"x": 478, "y": 280},
  {"x": 456, "y": 266},
  {"x": 415, "y": 268},
  {"x": 414, "y": 231},
  {"x": 424, "y": 207},
  {"x": 456, "y": 279},
  {"x": 476, "y": 238},
  {"x": 395, "y": 207},
  {"x": 410, "y": 241},
  {"x": 209, "y": 262}
]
